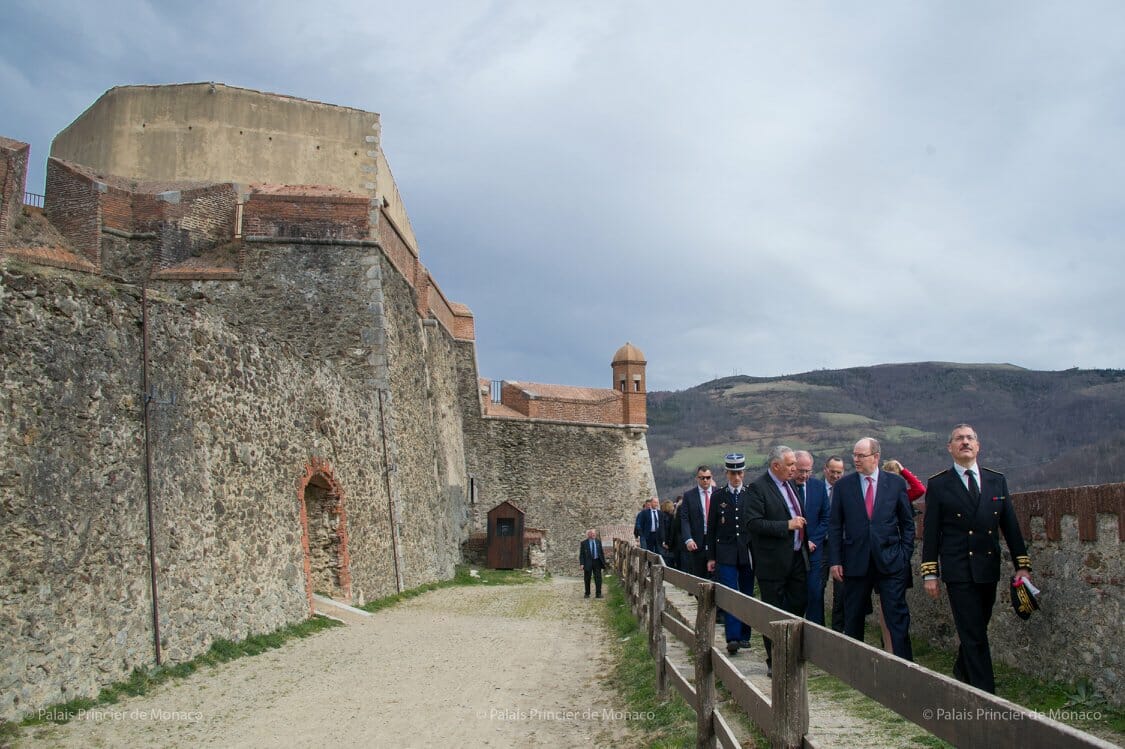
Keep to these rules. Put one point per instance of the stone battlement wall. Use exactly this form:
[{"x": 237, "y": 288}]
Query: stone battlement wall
[
  {"x": 308, "y": 389},
  {"x": 182, "y": 220},
  {"x": 1074, "y": 538},
  {"x": 326, "y": 432},
  {"x": 566, "y": 477}
]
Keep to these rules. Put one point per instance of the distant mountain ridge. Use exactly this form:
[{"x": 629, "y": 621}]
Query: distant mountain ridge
[{"x": 1043, "y": 429}]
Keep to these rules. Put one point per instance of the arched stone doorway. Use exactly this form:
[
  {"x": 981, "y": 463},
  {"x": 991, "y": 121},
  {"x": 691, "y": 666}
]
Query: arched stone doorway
[{"x": 324, "y": 533}]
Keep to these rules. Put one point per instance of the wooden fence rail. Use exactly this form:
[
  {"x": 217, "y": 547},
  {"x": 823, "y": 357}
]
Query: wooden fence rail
[{"x": 949, "y": 709}]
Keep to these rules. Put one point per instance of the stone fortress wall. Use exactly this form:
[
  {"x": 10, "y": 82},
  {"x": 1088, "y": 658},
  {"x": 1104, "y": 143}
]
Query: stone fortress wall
[{"x": 326, "y": 435}]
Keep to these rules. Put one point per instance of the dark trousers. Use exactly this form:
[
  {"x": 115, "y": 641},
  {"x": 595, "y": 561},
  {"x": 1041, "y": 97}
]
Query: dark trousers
[
  {"x": 972, "y": 609},
  {"x": 837, "y": 606},
  {"x": 738, "y": 577},
  {"x": 790, "y": 593},
  {"x": 651, "y": 543},
  {"x": 596, "y": 571},
  {"x": 815, "y": 609},
  {"x": 892, "y": 597},
  {"x": 695, "y": 563}
]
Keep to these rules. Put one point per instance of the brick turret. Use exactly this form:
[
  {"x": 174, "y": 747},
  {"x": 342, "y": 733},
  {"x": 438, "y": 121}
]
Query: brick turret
[{"x": 629, "y": 379}]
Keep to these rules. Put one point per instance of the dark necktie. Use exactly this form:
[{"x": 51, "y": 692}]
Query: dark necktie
[
  {"x": 593, "y": 550},
  {"x": 801, "y": 493},
  {"x": 974, "y": 487},
  {"x": 795, "y": 508}
]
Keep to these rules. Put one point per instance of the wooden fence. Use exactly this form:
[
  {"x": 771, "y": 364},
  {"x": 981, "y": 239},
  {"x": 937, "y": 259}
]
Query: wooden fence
[{"x": 949, "y": 709}]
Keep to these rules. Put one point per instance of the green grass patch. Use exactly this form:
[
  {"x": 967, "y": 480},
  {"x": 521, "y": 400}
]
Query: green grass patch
[
  {"x": 844, "y": 420},
  {"x": 688, "y": 458},
  {"x": 789, "y": 386},
  {"x": 669, "y": 723},
  {"x": 1074, "y": 704},
  {"x": 901, "y": 433}
]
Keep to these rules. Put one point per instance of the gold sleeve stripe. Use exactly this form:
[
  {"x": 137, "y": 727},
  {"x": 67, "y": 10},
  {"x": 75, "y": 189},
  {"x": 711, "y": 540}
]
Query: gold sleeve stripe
[
  {"x": 929, "y": 568},
  {"x": 1023, "y": 561}
]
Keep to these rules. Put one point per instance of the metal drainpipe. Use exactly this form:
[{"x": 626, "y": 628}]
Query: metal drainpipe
[
  {"x": 392, "y": 515},
  {"x": 148, "y": 476}
]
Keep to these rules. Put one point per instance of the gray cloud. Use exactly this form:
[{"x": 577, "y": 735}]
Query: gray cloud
[{"x": 730, "y": 186}]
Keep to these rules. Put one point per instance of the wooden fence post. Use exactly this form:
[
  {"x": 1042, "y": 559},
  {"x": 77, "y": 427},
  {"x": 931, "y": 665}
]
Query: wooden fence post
[
  {"x": 644, "y": 598},
  {"x": 704, "y": 669},
  {"x": 790, "y": 695},
  {"x": 659, "y": 642}
]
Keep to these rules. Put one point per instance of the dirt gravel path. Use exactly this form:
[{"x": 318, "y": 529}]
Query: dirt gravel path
[{"x": 517, "y": 665}]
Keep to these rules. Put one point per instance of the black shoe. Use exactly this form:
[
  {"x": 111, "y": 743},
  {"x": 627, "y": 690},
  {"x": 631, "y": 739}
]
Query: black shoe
[
  {"x": 744, "y": 643},
  {"x": 586, "y": 596},
  {"x": 599, "y": 595},
  {"x": 732, "y": 646},
  {"x": 769, "y": 672}
]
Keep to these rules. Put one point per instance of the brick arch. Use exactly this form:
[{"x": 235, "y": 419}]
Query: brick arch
[{"x": 318, "y": 473}]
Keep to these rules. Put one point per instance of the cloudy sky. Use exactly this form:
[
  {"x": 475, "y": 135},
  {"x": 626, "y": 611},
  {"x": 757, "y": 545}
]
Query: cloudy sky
[{"x": 734, "y": 187}]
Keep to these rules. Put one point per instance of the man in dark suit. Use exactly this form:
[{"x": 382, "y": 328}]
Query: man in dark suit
[
  {"x": 813, "y": 496},
  {"x": 779, "y": 539},
  {"x": 966, "y": 510},
  {"x": 871, "y": 539},
  {"x": 592, "y": 559},
  {"x": 649, "y": 526},
  {"x": 693, "y": 522},
  {"x": 833, "y": 472},
  {"x": 728, "y": 546}
]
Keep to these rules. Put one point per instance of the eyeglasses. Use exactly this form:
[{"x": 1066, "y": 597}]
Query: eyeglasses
[
  {"x": 862, "y": 455},
  {"x": 704, "y": 478},
  {"x": 801, "y": 471}
]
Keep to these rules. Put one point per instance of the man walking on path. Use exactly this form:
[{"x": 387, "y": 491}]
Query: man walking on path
[
  {"x": 592, "y": 559},
  {"x": 966, "y": 510}
]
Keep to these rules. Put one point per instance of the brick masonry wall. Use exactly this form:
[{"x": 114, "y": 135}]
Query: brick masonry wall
[
  {"x": 73, "y": 206},
  {"x": 194, "y": 220},
  {"x": 605, "y": 411},
  {"x": 464, "y": 326},
  {"x": 396, "y": 249},
  {"x": 566, "y": 477},
  {"x": 117, "y": 209},
  {"x": 13, "y": 178},
  {"x": 1074, "y": 538},
  {"x": 297, "y": 215}
]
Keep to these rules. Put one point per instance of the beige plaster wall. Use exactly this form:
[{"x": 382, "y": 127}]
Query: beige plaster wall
[{"x": 214, "y": 132}]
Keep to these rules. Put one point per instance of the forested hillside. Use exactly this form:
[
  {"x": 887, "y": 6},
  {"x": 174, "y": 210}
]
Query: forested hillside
[{"x": 1043, "y": 429}]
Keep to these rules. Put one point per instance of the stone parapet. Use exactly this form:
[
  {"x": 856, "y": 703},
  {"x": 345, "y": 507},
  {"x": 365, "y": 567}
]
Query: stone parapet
[{"x": 1078, "y": 561}]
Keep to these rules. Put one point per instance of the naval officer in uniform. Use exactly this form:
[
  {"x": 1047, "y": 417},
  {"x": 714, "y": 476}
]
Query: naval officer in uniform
[
  {"x": 728, "y": 546},
  {"x": 967, "y": 509}
]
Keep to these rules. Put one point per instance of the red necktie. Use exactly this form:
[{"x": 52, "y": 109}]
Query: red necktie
[
  {"x": 706, "y": 507},
  {"x": 869, "y": 497}
]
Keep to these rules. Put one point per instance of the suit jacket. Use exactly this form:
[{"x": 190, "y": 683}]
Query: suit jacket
[
  {"x": 728, "y": 540},
  {"x": 885, "y": 541},
  {"x": 642, "y": 526},
  {"x": 691, "y": 517},
  {"x": 589, "y": 562},
  {"x": 816, "y": 513},
  {"x": 963, "y": 535},
  {"x": 671, "y": 525},
  {"x": 770, "y": 537}
]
